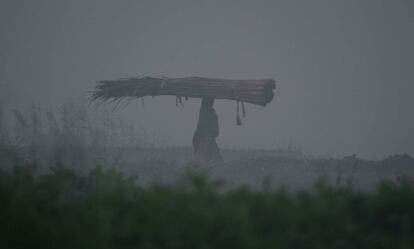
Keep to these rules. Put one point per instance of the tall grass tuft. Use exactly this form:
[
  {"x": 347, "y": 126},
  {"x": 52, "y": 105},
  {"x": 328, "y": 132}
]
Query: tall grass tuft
[{"x": 72, "y": 135}]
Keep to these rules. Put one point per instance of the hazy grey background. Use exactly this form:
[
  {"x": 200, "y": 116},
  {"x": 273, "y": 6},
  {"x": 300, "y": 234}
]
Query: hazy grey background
[{"x": 344, "y": 68}]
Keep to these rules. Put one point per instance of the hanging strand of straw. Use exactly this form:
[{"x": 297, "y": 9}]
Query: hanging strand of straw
[
  {"x": 143, "y": 103},
  {"x": 243, "y": 110},
  {"x": 238, "y": 119}
]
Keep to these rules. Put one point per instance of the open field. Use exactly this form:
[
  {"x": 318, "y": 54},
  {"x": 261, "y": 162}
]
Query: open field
[{"x": 287, "y": 168}]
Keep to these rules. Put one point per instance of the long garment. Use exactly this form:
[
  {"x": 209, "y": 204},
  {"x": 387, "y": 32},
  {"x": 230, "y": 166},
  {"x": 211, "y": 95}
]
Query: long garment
[{"x": 204, "y": 139}]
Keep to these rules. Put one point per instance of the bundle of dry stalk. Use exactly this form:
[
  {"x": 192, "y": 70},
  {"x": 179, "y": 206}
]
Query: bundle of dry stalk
[{"x": 259, "y": 92}]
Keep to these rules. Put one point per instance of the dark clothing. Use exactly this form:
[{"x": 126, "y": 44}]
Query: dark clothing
[
  {"x": 207, "y": 122},
  {"x": 204, "y": 142}
]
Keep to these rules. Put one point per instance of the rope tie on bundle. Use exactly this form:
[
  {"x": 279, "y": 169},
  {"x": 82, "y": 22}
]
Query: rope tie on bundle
[
  {"x": 179, "y": 100},
  {"x": 164, "y": 81}
]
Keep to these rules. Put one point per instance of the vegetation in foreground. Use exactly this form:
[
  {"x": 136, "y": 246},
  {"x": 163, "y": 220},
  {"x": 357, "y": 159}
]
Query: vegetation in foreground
[{"x": 104, "y": 209}]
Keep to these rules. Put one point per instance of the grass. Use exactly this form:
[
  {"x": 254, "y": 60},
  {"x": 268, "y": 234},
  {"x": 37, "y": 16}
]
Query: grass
[{"x": 104, "y": 209}]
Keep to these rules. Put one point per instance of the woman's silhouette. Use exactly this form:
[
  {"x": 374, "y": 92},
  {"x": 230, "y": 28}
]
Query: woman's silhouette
[{"x": 204, "y": 139}]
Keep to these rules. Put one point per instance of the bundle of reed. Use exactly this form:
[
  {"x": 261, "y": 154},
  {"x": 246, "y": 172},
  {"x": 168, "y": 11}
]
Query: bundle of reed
[{"x": 258, "y": 92}]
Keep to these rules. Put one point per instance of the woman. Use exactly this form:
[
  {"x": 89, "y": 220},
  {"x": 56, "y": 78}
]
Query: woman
[{"x": 204, "y": 139}]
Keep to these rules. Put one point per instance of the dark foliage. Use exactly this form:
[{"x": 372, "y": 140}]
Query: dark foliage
[{"x": 104, "y": 209}]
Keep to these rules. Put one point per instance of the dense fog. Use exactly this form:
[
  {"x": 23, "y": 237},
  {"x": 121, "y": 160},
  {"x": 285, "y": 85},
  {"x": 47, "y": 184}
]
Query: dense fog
[{"x": 343, "y": 68}]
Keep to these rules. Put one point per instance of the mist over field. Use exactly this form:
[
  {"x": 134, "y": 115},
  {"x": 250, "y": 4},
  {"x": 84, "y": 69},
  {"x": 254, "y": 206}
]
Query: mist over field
[
  {"x": 326, "y": 163},
  {"x": 343, "y": 69}
]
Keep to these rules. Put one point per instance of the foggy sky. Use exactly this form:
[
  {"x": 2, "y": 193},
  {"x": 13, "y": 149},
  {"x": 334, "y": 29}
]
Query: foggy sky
[{"x": 344, "y": 69}]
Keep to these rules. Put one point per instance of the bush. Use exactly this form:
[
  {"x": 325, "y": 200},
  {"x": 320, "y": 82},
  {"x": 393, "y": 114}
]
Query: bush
[{"x": 104, "y": 209}]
